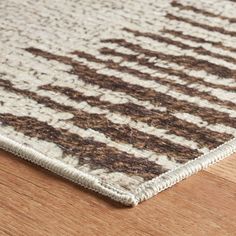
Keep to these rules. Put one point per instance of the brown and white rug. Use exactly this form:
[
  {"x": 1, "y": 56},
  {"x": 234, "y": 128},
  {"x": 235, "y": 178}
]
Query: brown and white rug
[{"x": 123, "y": 97}]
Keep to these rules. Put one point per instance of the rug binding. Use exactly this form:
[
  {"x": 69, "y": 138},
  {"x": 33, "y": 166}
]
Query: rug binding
[{"x": 144, "y": 192}]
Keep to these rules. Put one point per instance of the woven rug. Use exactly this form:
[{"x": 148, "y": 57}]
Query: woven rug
[{"x": 124, "y": 97}]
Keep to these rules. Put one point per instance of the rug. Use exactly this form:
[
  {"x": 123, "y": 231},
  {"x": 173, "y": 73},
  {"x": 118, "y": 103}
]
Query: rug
[{"x": 124, "y": 97}]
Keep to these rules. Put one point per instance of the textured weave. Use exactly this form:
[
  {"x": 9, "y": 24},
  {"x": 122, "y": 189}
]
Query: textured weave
[{"x": 127, "y": 94}]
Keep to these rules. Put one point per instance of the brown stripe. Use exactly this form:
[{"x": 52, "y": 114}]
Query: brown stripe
[
  {"x": 204, "y": 137},
  {"x": 186, "y": 61},
  {"x": 199, "y": 50},
  {"x": 164, "y": 81},
  {"x": 200, "y": 25},
  {"x": 199, "y": 111},
  {"x": 118, "y": 132},
  {"x": 170, "y": 71},
  {"x": 94, "y": 153},
  {"x": 201, "y": 11},
  {"x": 116, "y": 84},
  {"x": 182, "y": 35}
]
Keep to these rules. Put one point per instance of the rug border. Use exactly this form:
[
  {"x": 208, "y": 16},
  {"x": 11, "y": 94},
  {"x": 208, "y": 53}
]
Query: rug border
[
  {"x": 170, "y": 178},
  {"x": 143, "y": 192},
  {"x": 67, "y": 172}
]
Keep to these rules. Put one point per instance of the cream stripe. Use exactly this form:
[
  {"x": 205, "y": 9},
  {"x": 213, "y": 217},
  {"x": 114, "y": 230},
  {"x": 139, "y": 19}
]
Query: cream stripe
[
  {"x": 200, "y": 32},
  {"x": 220, "y": 128},
  {"x": 200, "y": 74},
  {"x": 219, "y": 93},
  {"x": 177, "y": 80},
  {"x": 228, "y": 96},
  {"x": 210, "y": 78},
  {"x": 206, "y": 46},
  {"x": 157, "y": 46},
  {"x": 202, "y": 19},
  {"x": 105, "y": 94}
]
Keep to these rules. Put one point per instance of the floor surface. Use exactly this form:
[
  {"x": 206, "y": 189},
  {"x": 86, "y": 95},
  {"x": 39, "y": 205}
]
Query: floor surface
[{"x": 35, "y": 202}]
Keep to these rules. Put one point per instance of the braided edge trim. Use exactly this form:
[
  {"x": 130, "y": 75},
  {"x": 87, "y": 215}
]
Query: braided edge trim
[
  {"x": 168, "y": 179},
  {"x": 143, "y": 192},
  {"x": 66, "y": 171}
]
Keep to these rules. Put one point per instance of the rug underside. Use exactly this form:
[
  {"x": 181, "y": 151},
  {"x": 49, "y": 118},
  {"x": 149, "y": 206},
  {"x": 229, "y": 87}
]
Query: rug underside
[{"x": 126, "y": 98}]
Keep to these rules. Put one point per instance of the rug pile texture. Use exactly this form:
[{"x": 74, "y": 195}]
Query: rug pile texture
[{"x": 124, "y": 97}]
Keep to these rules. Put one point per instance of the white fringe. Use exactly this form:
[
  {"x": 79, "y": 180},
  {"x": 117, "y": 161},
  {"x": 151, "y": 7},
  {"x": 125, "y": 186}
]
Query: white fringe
[{"x": 144, "y": 192}]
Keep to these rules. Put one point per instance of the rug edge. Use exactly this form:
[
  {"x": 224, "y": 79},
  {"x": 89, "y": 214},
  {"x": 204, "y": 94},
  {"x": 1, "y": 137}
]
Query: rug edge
[
  {"x": 67, "y": 172},
  {"x": 143, "y": 192},
  {"x": 172, "y": 177}
]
